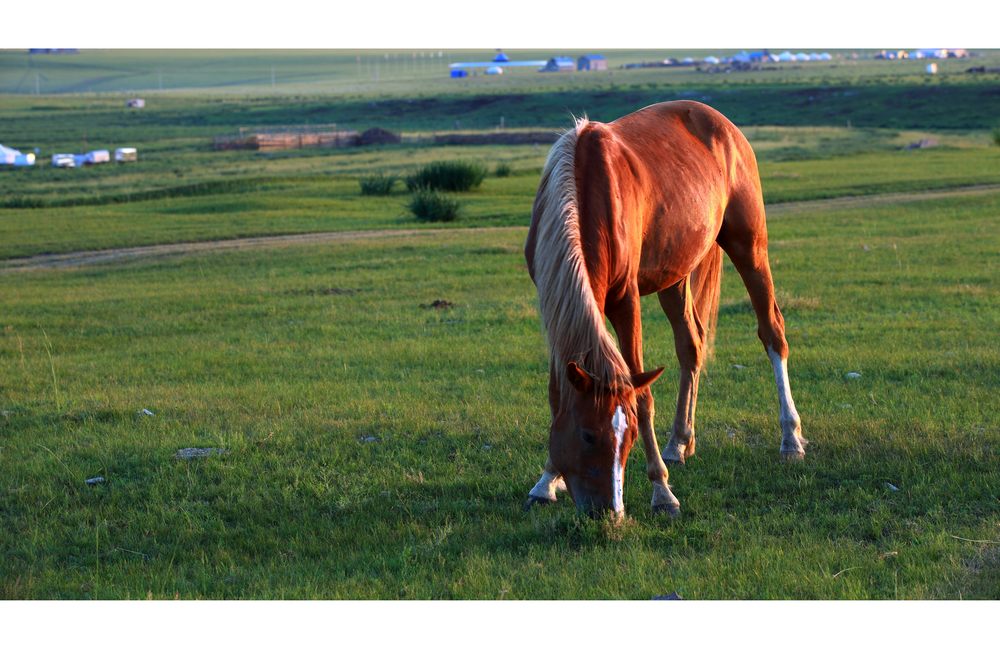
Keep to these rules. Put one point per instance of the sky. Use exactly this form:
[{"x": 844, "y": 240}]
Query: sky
[{"x": 508, "y": 23}]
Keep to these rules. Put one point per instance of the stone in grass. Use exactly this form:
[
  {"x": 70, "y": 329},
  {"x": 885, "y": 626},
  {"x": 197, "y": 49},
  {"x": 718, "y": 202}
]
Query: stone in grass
[
  {"x": 94, "y": 481},
  {"x": 669, "y": 596},
  {"x": 189, "y": 453},
  {"x": 852, "y": 375}
]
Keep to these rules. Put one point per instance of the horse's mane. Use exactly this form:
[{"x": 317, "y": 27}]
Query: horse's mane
[{"x": 574, "y": 323}]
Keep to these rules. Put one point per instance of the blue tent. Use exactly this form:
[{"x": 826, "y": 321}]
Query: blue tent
[
  {"x": 559, "y": 64},
  {"x": 15, "y": 158}
]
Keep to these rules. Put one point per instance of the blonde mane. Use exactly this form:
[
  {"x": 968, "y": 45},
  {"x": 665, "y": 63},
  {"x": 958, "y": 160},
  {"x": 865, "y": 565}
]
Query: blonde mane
[{"x": 574, "y": 323}]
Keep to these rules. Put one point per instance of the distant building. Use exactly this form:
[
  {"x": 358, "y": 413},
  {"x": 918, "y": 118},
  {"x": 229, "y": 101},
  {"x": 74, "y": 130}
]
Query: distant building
[
  {"x": 136, "y": 103},
  {"x": 126, "y": 155},
  {"x": 592, "y": 63},
  {"x": 559, "y": 64},
  {"x": 494, "y": 70}
]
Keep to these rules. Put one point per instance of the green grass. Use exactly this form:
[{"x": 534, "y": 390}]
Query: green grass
[
  {"x": 376, "y": 184},
  {"x": 400, "y": 73},
  {"x": 377, "y": 449},
  {"x": 450, "y": 176},
  {"x": 433, "y": 206}
]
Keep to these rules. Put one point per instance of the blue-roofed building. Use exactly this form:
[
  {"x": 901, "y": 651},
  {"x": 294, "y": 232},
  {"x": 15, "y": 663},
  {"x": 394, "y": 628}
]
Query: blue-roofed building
[
  {"x": 592, "y": 63},
  {"x": 559, "y": 64}
]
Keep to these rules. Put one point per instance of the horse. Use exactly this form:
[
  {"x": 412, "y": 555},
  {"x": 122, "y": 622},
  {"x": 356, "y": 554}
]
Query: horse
[{"x": 646, "y": 203}]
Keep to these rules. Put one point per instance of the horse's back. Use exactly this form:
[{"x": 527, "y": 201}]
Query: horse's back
[
  {"x": 684, "y": 132},
  {"x": 687, "y": 162}
]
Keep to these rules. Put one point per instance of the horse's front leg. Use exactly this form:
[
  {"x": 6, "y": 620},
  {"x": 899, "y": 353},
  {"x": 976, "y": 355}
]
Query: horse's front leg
[
  {"x": 689, "y": 341},
  {"x": 544, "y": 491},
  {"x": 627, "y": 321}
]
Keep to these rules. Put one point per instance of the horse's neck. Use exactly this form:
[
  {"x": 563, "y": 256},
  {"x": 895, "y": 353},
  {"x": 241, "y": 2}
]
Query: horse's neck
[{"x": 570, "y": 308}]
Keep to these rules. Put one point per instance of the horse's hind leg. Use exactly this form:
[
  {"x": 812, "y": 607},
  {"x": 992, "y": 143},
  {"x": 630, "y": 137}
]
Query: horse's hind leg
[
  {"x": 744, "y": 238},
  {"x": 689, "y": 341}
]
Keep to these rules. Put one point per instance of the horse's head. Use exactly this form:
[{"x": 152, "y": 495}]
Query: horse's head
[{"x": 591, "y": 438}]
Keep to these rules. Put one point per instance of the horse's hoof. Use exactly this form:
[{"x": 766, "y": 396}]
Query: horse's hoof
[
  {"x": 792, "y": 455},
  {"x": 673, "y": 456},
  {"x": 673, "y": 511},
  {"x": 535, "y": 500}
]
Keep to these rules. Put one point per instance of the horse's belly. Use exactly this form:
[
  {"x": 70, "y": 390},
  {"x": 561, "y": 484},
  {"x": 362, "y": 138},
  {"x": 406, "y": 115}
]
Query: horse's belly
[{"x": 673, "y": 248}]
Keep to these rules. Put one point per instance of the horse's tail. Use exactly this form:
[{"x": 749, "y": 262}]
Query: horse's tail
[{"x": 706, "y": 284}]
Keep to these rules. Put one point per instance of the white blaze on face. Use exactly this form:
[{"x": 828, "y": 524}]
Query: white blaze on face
[{"x": 619, "y": 424}]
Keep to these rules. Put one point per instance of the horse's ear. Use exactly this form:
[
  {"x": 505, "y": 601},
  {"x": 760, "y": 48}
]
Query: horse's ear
[
  {"x": 579, "y": 378},
  {"x": 642, "y": 380}
]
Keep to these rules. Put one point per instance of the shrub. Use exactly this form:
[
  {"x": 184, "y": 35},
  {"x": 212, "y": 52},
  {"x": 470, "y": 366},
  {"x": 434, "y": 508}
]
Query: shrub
[
  {"x": 433, "y": 206},
  {"x": 376, "y": 184},
  {"x": 502, "y": 171},
  {"x": 996, "y": 136},
  {"x": 451, "y": 176}
]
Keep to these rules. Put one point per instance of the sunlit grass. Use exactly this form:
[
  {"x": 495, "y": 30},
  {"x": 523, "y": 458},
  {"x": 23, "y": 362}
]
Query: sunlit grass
[{"x": 378, "y": 449}]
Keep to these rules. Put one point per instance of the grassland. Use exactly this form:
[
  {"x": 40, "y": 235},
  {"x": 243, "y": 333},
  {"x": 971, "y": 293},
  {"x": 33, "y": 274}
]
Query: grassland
[
  {"x": 401, "y": 439},
  {"x": 378, "y": 448}
]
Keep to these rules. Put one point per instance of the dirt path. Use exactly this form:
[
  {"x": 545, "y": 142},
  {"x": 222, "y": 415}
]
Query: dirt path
[{"x": 87, "y": 257}]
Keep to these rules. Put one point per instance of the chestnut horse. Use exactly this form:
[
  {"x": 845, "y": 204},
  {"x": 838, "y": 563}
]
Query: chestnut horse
[{"x": 644, "y": 204}]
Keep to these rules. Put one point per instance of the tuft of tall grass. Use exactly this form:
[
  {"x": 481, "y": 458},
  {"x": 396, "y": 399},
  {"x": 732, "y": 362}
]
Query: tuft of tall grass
[
  {"x": 451, "y": 176},
  {"x": 432, "y": 206},
  {"x": 376, "y": 184},
  {"x": 503, "y": 170}
]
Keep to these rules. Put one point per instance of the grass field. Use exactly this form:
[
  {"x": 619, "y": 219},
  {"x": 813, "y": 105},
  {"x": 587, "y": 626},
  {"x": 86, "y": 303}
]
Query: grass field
[{"x": 375, "y": 447}]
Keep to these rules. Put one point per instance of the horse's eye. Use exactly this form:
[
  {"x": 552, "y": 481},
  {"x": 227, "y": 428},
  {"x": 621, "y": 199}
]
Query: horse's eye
[{"x": 588, "y": 437}]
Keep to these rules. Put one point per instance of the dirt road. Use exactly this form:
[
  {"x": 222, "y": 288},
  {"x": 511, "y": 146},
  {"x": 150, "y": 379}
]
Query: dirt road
[{"x": 87, "y": 257}]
